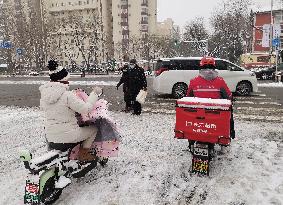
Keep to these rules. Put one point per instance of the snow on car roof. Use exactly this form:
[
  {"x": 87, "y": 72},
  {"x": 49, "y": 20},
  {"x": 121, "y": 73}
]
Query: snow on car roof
[{"x": 185, "y": 58}]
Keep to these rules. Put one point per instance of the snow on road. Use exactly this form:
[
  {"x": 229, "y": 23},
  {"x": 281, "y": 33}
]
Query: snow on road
[
  {"x": 41, "y": 82},
  {"x": 110, "y": 83},
  {"x": 276, "y": 85},
  {"x": 153, "y": 167}
]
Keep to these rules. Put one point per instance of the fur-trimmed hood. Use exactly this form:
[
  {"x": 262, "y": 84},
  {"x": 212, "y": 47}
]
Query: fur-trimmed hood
[
  {"x": 52, "y": 91},
  {"x": 208, "y": 74}
]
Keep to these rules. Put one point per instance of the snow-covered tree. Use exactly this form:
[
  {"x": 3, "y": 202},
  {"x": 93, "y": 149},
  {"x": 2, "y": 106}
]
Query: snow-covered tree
[
  {"x": 72, "y": 36},
  {"x": 195, "y": 30},
  {"x": 232, "y": 29},
  {"x": 22, "y": 26},
  {"x": 7, "y": 26}
]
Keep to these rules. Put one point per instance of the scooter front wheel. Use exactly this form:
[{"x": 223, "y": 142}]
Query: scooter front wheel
[{"x": 50, "y": 194}]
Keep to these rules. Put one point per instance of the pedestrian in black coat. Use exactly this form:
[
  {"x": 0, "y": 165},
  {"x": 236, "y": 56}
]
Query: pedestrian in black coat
[
  {"x": 136, "y": 81},
  {"x": 124, "y": 81}
]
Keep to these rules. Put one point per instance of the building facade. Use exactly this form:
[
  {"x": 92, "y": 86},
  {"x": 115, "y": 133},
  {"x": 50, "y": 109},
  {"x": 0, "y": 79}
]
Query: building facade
[
  {"x": 132, "y": 20},
  {"x": 119, "y": 21},
  {"x": 261, "y": 19},
  {"x": 166, "y": 28}
]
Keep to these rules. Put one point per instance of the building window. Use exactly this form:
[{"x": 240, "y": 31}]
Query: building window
[
  {"x": 258, "y": 42},
  {"x": 52, "y": 5},
  {"x": 80, "y": 3},
  {"x": 87, "y": 2},
  {"x": 62, "y": 4}
]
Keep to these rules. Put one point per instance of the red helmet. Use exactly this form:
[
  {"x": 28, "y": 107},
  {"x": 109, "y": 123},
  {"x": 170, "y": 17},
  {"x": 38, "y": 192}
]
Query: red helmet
[{"x": 207, "y": 61}]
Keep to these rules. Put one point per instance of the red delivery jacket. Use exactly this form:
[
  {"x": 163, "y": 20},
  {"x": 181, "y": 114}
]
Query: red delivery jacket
[{"x": 215, "y": 88}]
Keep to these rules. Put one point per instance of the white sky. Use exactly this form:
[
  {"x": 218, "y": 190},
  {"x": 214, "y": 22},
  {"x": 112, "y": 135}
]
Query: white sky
[{"x": 182, "y": 11}]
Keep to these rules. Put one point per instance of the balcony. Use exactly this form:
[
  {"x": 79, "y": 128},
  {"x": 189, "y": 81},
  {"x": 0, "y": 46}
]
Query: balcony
[
  {"x": 124, "y": 24},
  {"x": 125, "y": 42},
  {"x": 144, "y": 4},
  {"x": 124, "y": 7},
  {"x": 144, "y": 30},
  {"x": 125, "y": 32},
  {"x": 124, "y": 15},
  {"x": 144, "y": 22},
  {"x": 144, "y": 13}
]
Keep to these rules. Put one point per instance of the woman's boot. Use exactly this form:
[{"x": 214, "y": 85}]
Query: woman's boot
[{"x": 85, "y": 155}]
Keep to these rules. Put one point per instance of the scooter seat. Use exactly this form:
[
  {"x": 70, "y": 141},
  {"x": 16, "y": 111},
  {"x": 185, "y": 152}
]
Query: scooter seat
[{"x": 45, "y": 159}]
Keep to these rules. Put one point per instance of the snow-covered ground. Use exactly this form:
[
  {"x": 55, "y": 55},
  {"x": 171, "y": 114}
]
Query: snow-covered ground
[
  {"x": 103, "y": 83},
  {"x": 279, "y": 84},
  {"x": 41, "y": 82},
  {"x": 153, "y": 167}
]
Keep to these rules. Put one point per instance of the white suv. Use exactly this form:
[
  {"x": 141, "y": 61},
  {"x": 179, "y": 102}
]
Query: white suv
[{"x": 172, "y": 76}]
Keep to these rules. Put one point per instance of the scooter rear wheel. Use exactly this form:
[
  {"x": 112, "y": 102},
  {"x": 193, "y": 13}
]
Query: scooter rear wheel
[{"x": 50, "y": 194}]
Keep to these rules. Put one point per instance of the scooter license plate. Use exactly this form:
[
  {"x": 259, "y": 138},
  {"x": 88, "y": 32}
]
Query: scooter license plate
[
  {"x": 200, "y": 166},
  {"x": 201, "y": 151},
  {"x": 32, "y": 190}
]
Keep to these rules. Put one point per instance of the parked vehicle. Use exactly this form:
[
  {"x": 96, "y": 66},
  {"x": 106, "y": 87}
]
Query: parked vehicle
[
  {"x": 33, "y": 73},
  {"x": 267, "y": 73},
  {"x": 279, "y": 76},
  {"x": 172, "y": 76}
]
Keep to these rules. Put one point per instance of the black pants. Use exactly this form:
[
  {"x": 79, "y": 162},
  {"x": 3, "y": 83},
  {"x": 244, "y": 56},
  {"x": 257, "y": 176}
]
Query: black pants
[
  {"x": 135, "y": 104},
  {"x": 63, "y": 147},
  {"x": 137, "y": 108},
  {"x": 128, "y": 100}
]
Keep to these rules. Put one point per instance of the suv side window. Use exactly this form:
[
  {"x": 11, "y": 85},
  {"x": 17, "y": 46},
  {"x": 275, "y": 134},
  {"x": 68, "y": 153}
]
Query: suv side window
[
  {"x": 221, "y": 65},
  {"x": 232, "y": 67},
  {"x": 178, "y": 64},
  {"x": 188, "y": 64},
  {"x": 165, "y": 64}
]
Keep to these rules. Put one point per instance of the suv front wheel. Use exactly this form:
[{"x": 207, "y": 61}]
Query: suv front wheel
[
  {"x": 179, "y": 90},
  {"x": 244, "y": 88}
]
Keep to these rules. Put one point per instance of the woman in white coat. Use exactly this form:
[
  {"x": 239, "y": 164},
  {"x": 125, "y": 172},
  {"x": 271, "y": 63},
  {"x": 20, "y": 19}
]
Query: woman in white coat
[{"x": 60, "y": 105}]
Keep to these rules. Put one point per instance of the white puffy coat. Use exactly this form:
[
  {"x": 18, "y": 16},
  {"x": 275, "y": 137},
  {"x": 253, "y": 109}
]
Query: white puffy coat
[{"x": 59, "y": 105}]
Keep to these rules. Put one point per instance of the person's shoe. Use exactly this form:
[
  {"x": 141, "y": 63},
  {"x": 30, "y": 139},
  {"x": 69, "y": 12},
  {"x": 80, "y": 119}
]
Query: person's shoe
[
  {"x": 126, "y": 110},
  {"x": 136, "y": 113},
  {"x": 85, "y": 155}
]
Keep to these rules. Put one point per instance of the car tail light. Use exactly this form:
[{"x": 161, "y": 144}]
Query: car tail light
[
  {"x": 179, "y": 134},
  {"x": 224, "y": 140},
  {"x": 160, "y": 70}
]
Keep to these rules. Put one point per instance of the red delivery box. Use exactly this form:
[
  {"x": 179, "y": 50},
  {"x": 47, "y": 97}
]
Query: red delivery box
[{"x": 203, "y": 119}]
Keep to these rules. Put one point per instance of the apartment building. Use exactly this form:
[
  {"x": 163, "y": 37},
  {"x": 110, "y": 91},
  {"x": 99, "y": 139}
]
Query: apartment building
[
  {"x": 121, "y": 21},
  {"x": 132, "y": 19},
  {"x": 91, "y": 19},
  {"x": 261, "y": 19}
]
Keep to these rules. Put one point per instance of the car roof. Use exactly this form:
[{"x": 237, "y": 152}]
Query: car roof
[{"x": 185, "y": 58}]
